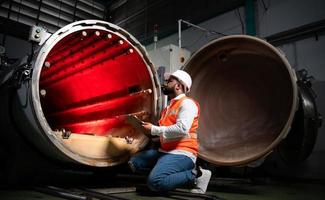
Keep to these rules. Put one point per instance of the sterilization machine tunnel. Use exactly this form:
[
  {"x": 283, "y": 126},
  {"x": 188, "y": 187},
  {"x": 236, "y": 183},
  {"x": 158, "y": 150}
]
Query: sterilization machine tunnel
[{"x": 85, "y": 80}]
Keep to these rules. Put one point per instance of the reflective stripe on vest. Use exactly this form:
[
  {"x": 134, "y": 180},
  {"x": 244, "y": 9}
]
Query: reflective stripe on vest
[{"x": 168, "y": 118}]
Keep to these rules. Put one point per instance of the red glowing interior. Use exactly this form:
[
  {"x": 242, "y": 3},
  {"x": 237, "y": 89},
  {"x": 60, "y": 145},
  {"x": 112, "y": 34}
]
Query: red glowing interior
[{"x": 90, "y": 80}]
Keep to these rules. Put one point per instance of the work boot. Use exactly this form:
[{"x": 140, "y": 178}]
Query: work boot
[{"x": 202, "y": 182}]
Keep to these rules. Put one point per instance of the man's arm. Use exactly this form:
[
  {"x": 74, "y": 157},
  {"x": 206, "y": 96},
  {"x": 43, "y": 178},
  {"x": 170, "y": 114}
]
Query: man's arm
[{"x": 187, "y": 112}]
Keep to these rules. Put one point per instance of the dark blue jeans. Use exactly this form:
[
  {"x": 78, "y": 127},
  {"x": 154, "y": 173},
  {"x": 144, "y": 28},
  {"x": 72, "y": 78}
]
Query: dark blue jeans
[{"x": 167, "y": 171}]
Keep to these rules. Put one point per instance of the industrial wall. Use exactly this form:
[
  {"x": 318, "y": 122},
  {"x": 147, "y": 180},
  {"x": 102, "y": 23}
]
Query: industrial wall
[
  {"x": 15, "y": 47},
  {"x": 272, "y": 17}
]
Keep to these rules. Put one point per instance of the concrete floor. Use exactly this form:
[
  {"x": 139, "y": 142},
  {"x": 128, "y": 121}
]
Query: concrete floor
[{"x": 230, "y": 190}]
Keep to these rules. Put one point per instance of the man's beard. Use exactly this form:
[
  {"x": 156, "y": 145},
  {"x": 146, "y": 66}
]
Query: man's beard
[{"x": 166, "y": 91}]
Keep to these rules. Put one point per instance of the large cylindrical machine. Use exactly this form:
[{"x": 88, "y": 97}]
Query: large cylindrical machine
[
  {"x": 84, "y": 80},
  {"x": 72, "y": 101},
  {"x": 249, "y": 97}
]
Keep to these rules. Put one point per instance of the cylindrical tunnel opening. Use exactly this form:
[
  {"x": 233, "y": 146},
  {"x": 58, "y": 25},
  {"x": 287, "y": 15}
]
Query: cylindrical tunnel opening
[
  {"x": 247, "y": 94},
  {"x": 91, "y": 78}
]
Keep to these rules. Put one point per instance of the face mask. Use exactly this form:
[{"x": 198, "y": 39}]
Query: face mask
[{"x": 166, "y": 91}]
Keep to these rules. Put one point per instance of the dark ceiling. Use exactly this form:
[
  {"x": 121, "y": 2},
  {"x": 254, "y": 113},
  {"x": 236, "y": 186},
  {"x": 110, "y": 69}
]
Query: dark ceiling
[
  {"x": 140, "y": 16},
  {"x": 136, "y": 16},
  {"x": 16, "y": 16}
]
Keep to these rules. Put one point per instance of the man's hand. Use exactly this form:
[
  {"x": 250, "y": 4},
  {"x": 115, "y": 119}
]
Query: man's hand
[{"x": 147, "y": 126}]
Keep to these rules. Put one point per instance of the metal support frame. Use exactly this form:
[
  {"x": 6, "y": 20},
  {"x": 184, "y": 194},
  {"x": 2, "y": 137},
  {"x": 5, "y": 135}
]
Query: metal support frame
[
  {"x": 75, "y": 10},
  {"x": 85, "y": 193},
  {"x": 250, "y": 17},
  {"x": 195, "y": 26},
  {"x": 39, "y": 12},
  {"x": 75, "y": 193},
  {"x": 299, "y": 33},
  {"x": 143, "y": 189}
]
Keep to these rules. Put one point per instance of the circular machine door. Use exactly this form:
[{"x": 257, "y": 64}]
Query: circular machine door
[
  {"x": 88, "y": 77},
  {"x": 300, "y": 142},
  {"x": 248, "y": 96}
]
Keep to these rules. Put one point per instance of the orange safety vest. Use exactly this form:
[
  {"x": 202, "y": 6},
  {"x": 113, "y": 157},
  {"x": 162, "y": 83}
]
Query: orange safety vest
[{"x": 168, "y": 117}]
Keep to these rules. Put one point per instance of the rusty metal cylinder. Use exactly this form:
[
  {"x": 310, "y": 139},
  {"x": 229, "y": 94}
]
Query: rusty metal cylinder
[{"x": 248, "y": 96}]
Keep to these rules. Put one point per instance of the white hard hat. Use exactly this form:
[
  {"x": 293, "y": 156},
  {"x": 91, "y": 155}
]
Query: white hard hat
[{"x": 183, "y": 77}]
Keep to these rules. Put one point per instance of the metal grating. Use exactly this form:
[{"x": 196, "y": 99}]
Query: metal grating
[{"x": 51, "y": 14}]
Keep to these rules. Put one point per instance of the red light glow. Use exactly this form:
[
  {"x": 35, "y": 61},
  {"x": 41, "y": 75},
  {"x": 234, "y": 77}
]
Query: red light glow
[{"x": 92, "y": 81}]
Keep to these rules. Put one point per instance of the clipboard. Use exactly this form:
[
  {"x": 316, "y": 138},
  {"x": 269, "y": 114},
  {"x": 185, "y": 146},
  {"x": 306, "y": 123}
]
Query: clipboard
[
  {"x": 134, "y": 121},
  {"x": 137, "y": 123}
]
